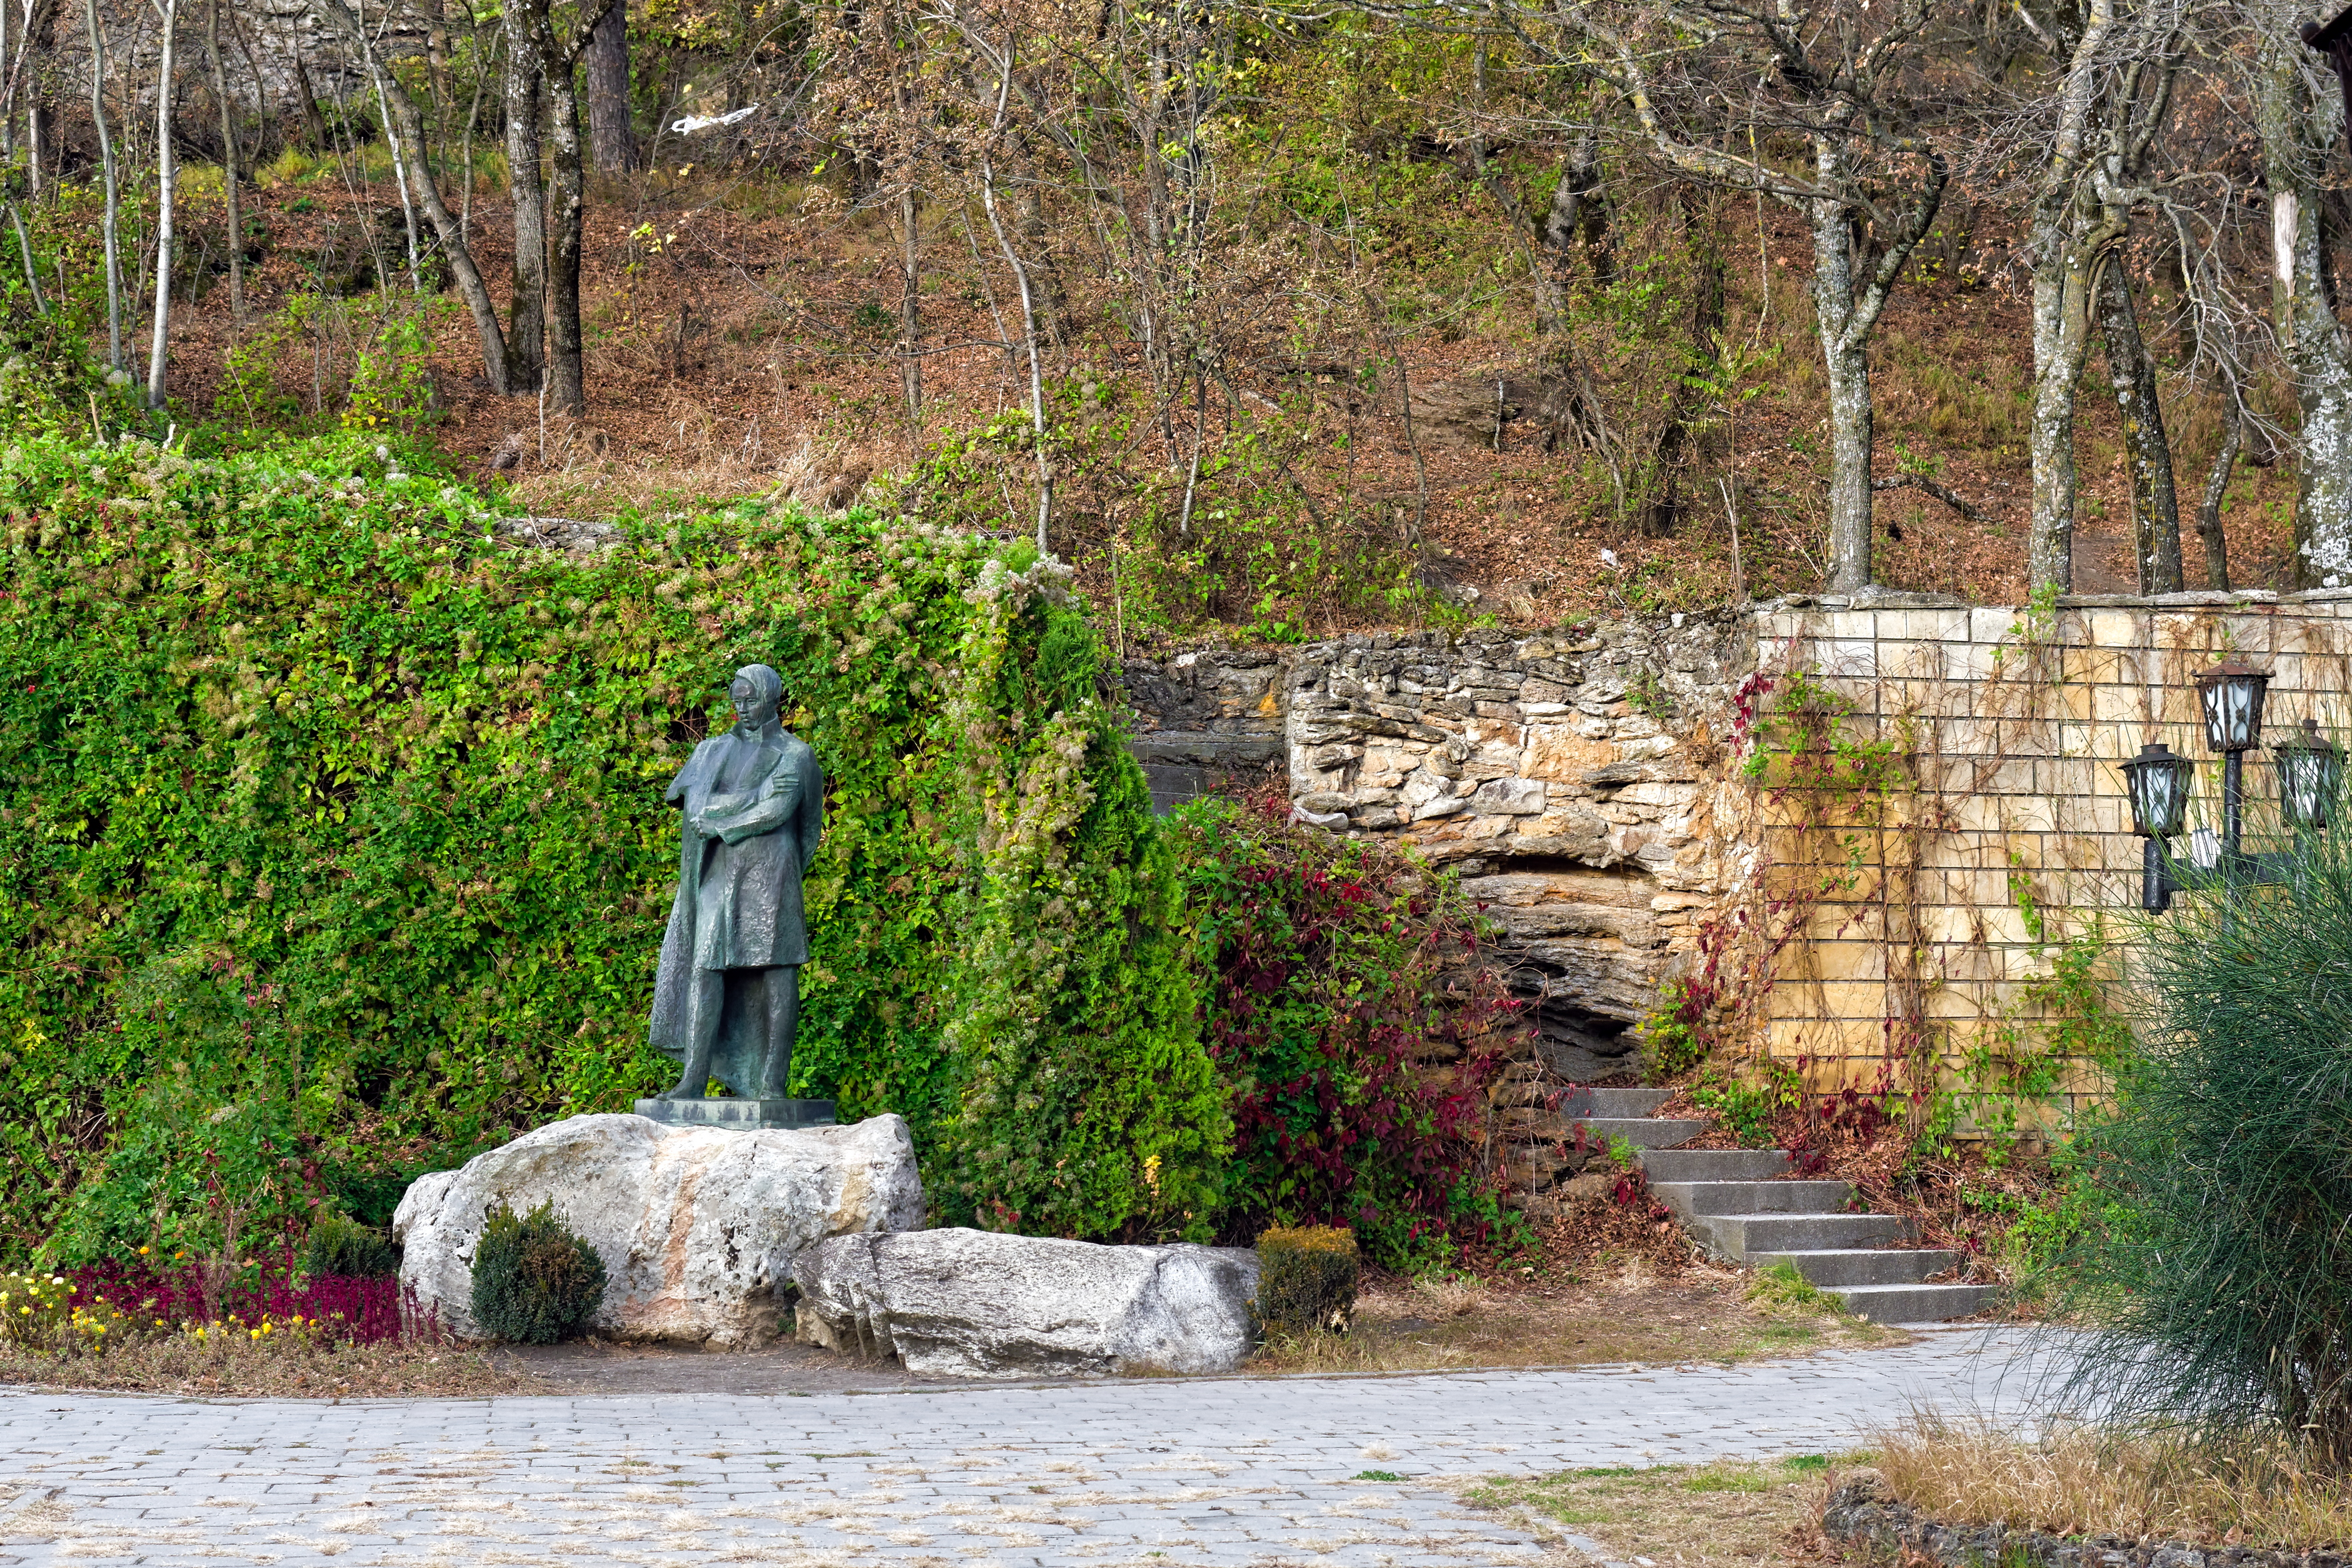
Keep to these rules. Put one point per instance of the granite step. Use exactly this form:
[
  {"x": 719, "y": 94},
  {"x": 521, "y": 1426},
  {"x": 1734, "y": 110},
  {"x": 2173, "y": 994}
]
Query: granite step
[
  {"x": 1690, "y": 1198},
  {"x": 1911, "y": 1303},
  {"x": 1580, "y": 1103},
  {"x": 1742, "y": 1236},
  {"x": 1641, "y": 1131},
  {"x": 1713, "y": 1165},
  {"x": 1838, "y": 1267}
]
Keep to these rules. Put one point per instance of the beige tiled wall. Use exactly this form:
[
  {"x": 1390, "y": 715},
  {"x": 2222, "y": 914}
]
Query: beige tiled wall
[{"x": 2017, "y": 729}]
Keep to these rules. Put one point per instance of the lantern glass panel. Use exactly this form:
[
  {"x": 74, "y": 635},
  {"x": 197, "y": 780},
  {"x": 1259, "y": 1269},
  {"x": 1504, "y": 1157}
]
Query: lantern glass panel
[
  {"x": 2232, "y": 695},
  {"x": 2309, "y": 769},
  {"x": 2158, "y": 783}
]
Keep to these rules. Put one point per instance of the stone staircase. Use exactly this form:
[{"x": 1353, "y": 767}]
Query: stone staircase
[{"x": 1738, "y": 1204}]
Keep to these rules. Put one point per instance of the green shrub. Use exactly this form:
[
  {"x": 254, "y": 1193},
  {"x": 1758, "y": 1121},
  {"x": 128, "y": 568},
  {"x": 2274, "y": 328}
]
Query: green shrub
[
  {"x": 534, "y": 1281},
  {"x": 338, "y": 1244},
  {"x": 1306, "y": 1278},
  {"x": 1338, "y": 968}
]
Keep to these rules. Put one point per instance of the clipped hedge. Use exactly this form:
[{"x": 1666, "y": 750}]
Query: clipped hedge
[
  {"x": 334, "y": 849},
  {"x": 340, "y": 1248},
  {"x": 1306, "y": 1278},
  {"x": 535, "y": 1282}
]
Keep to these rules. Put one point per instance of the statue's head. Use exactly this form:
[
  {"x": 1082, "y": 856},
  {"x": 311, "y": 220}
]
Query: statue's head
[{"x": 755, "y": 693}]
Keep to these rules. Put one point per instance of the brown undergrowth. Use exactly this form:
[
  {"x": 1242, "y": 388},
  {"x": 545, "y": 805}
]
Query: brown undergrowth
[
  {"x": 739, "y": 346},
  {"x": 228, "y": 1366},
  {"x": 2080, "y": 1482}
]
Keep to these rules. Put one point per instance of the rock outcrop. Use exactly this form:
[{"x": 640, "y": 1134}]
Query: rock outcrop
[
  {"x": 699, "y": 1227},
  {"x": 974, "y": 1303}
]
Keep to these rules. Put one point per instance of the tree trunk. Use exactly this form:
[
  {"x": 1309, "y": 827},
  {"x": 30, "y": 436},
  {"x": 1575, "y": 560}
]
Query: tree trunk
[
  {"x": 2065, "y": 255},
  {"x": 110, "y": 222},
  {"x": 611, "y": 138},
  {"x": 229, "y": 166},
  {"x": 2297, "y": 134},
  {"x": 2217, "y": 485},
  {"x": 1701, "y": 339},
  {"x": 526, "y": 311},
  {"x": 1580, "y": 209},
  {"x": 167, "y": 173},
  {"x": 567, "y": 391},
  {"x": 1845, "y": 357},
  {"x": 2148, "y": 450},
  {"x": 2062, "y": 337},
  {"x": 314, "y": 124}
]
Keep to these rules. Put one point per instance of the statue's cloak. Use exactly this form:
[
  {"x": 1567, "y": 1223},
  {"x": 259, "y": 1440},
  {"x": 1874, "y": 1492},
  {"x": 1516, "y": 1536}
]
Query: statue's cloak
[{"x": 752, "y": 809}]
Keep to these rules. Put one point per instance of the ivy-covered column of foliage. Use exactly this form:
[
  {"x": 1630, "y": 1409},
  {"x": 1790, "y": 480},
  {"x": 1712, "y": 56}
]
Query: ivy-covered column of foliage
[
  {"x": 333, "y": 848},
  {"x": 1090, "y": 1106}
]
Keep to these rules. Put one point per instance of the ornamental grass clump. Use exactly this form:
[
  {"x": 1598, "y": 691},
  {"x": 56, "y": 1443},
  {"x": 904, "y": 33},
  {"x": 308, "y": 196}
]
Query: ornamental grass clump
[
  {"x": 2217, "y": 1265},
  {"x": 1306, "y": 1279},
  {"x": 535, "y": 1282}
]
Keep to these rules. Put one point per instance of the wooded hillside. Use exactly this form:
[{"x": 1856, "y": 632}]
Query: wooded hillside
[{"x": 1276, "y": 317}]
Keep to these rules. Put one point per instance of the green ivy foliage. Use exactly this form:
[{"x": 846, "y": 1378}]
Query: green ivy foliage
[{"x": 334, "y": 849}]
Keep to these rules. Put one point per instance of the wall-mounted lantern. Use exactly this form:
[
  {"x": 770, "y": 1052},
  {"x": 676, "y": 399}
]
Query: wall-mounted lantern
[{"x": 2310, "y": 767}]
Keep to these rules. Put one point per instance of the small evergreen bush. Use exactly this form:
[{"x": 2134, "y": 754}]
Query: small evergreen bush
[
  {"x": 1306, "y": 1278},
  {"x": 534, "y": 1281},
  {"x": 337, "y": 1244}
]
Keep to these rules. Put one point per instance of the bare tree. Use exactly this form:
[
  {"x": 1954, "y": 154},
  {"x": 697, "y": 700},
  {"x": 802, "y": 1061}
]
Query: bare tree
[
  {"x": 110, "y": 219},
  {"x": 1834, "y": 80},
  {"x": 566, "y": 207},
  {"x": 406, "y": 127},
  {"x": 527, "y": 304}
]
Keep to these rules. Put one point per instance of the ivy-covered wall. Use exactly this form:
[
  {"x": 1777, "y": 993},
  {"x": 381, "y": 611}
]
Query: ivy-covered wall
[{"x": 333, "y": 845}]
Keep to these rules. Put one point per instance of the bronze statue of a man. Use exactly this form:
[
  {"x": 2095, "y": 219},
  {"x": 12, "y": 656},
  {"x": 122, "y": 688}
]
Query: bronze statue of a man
[{"x": 727, "y": 998}]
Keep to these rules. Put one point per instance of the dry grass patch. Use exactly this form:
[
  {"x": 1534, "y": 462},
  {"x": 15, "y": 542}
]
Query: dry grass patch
[
  {"x": 2147, "y": 1487},
  {"x": 279, "y": 1368},
  {"x": 1677, "y": 1516},
  {"x": 1632, "y": 1316}
]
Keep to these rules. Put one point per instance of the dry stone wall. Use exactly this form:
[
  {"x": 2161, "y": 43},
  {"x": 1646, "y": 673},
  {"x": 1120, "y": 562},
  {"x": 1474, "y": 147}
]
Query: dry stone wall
[{"x": 1568, "y": 779}]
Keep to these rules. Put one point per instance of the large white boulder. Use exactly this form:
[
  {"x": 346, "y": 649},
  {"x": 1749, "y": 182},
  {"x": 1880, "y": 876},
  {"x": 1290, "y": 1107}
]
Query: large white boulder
[
  {"x": 698, "y": 1226},
  {"x": 977, "y": 1303}
]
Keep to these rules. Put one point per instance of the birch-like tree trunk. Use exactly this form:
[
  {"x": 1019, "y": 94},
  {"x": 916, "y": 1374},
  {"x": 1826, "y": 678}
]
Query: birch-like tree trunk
[
  {"x": 166, "y": 183},
  {"x": 110, "y": 221},
  {"x": 2299, "y": 123},
  {"x": 406, "y": 128}
]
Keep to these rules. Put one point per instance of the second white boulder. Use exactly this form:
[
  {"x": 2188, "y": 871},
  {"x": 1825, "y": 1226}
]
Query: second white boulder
[{"x": 974, "y": 1303}]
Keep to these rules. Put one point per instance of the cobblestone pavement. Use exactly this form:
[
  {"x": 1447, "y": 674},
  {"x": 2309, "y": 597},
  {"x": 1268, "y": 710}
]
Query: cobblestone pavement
[{"x": 1191, "y": 1472}]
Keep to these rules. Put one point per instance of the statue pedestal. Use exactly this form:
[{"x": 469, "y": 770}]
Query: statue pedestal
[{"x": 738, "y": 1114}]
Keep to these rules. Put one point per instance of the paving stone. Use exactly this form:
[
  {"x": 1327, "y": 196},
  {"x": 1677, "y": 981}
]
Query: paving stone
[{"x": 1210, "y": 1473}]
